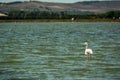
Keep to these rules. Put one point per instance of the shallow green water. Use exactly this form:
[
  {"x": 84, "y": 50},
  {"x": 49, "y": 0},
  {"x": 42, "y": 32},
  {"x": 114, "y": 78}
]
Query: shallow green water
[{"x": 54, "y": 51}]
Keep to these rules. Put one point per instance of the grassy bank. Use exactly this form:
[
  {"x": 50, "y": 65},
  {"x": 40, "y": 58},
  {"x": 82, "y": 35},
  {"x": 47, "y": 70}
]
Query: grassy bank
[{"x": 61, "y": 20}]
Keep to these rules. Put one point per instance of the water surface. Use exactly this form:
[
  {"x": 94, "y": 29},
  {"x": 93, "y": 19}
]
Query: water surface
[{"x": 54, "y": 51}]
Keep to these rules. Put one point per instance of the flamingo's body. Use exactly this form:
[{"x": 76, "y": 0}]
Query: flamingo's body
[{"x": 87, "y": 51}]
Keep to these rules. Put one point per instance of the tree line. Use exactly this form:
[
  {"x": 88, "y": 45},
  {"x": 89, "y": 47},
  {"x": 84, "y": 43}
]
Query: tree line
[{"x": 17, "y": 14}]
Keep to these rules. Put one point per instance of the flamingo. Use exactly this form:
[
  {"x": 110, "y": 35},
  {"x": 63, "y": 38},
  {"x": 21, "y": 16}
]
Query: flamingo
[{"x": 88, "y": 51}]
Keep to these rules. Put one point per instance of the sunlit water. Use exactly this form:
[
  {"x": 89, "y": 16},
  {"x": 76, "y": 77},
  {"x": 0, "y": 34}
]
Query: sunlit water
[{"x": 54, "y": 51}]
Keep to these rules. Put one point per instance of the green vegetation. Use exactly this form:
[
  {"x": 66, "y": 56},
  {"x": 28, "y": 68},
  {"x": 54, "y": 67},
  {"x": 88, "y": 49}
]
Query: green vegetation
[
  {"x": 109, "y": 15},
  {"x": 14, "y": 15}
]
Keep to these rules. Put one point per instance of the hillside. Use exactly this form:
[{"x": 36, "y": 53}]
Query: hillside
[{"x": 91, "y": 6}]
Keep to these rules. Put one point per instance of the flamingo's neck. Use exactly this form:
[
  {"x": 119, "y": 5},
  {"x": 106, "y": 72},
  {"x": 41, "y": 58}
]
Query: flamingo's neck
[{"x": 86, "y": 46}]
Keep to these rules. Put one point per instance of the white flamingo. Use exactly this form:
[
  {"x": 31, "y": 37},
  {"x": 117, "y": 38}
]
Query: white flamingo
[{"x": 88, "y": 51}]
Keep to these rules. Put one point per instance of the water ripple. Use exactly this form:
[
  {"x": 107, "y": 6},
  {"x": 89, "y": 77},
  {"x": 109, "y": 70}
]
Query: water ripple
[{"x": 54, "y": 51}]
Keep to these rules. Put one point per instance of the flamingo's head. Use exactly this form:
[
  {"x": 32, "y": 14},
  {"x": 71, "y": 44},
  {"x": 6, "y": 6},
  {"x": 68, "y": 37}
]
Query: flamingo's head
[{"x": 85, "y": 43}]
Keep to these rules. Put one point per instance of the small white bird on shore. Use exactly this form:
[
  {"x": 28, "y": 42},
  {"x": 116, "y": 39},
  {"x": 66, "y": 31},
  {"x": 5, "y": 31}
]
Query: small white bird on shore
[{"x": 88, "y": 51}]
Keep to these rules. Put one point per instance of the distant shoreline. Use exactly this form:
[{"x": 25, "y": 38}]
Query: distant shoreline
[{"x": 61, "y": 20}]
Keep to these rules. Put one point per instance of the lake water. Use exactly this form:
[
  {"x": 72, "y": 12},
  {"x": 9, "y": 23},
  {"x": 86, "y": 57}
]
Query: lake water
[{"x": 54, "y": 51}]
